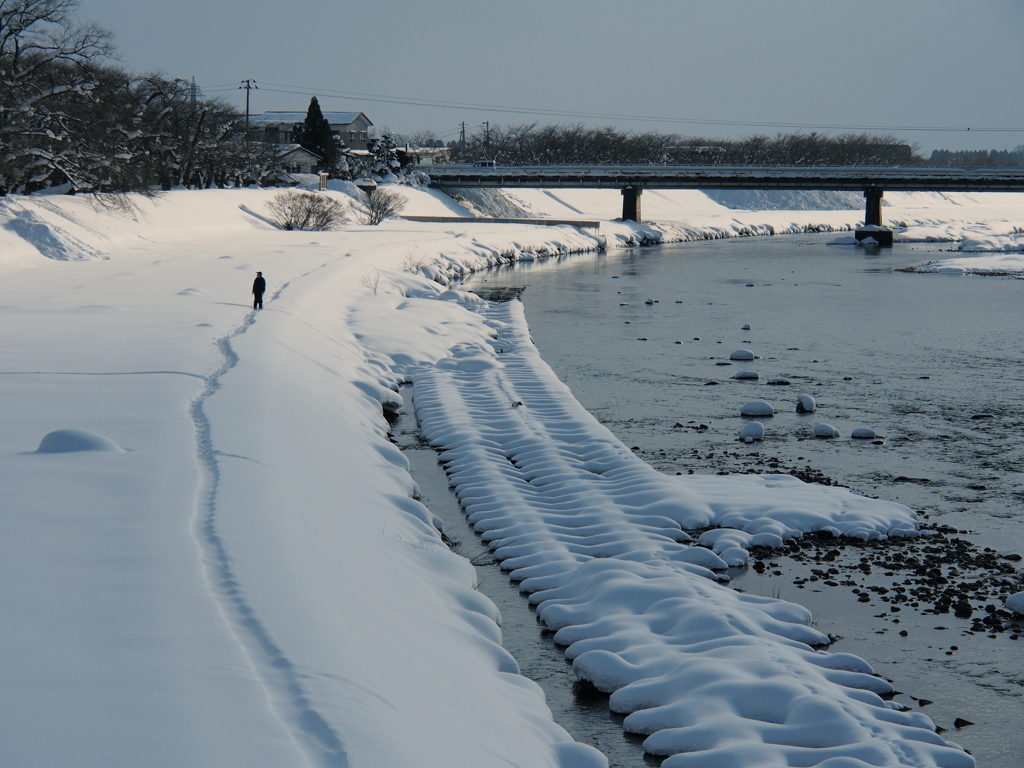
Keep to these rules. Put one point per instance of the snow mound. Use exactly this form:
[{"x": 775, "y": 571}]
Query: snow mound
[
  {"x": 74, "y": 440},
  {"x": 863, "y": 433},
  {"x": 742, "y": 354},
  {"x": 751, "y": 432},
  {"x": 757, "y": 408},
  {"x": 745, "y": 375},
  {"x": 825, "y": 430}
]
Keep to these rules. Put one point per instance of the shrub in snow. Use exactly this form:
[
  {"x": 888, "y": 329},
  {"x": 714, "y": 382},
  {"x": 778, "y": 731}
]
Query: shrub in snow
[
  {"x": 825, "y": 430},
  {"x": 751, "y": 432},
  {"x": 863, "y": 433},
  {"x": 778, "y": 382},
  {"x": 742, "y": 354},
  {"x": 378, "y": 204},
  {"x": 306, "y": 211},
  {"x": 805, "y": 404},
  {"x": 757, "y": 408},
  {"x": 745, "y": 375}
]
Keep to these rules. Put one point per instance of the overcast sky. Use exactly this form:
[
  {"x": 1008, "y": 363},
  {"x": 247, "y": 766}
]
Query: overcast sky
[{"x": 717, "y": 68}]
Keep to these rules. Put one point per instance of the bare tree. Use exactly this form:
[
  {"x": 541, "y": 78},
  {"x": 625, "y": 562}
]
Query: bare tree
[
  {"x": 306, "y": 211},
  {"x": 379, "y": 204}
]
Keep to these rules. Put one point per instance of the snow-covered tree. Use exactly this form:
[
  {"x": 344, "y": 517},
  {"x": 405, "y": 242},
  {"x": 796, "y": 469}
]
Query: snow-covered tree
[
  {"x": 47, "y": 63},
  {"x": 317, "y": 137},
  {"x": 68, "y": 117},
  {"x": 385, "y": 159}
]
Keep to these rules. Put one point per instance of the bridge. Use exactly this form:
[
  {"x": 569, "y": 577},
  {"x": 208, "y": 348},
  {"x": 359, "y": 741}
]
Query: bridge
[{"x": 632, "y": 180}]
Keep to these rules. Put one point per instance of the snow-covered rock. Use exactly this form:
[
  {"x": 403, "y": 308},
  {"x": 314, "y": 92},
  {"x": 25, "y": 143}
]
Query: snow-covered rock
[
  {"x": 742, "y": 354},
  {"x": 1015, "y": 603},
  {"x": 752, "y": 431},
  {"x": 806, "y": 404},
  {"x": 757, "y": 408},
  {"x": 745, "y": 375},
  {"x": 825, "y": 430},
  {"x": 863, "y": 433}
]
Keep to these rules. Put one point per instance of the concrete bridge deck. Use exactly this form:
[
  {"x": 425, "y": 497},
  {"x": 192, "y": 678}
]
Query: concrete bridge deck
[
  {"x": 856, "y": 178},
  {"x": 633, "y": 179}
]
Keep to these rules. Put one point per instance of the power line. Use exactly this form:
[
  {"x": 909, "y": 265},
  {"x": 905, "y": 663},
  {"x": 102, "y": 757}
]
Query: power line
[{"x": 545, "y": 112}]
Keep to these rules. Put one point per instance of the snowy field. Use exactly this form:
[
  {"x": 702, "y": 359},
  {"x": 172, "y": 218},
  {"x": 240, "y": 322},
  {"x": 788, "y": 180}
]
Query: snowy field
[{"x": 211, "y": 554}]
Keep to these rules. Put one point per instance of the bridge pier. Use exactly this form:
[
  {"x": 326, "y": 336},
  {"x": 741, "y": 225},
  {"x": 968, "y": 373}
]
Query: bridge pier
[
  {"x": 631, "y": 203},
  {"x": 873, "y": 213},
  {"x": 873, "y": 219}
]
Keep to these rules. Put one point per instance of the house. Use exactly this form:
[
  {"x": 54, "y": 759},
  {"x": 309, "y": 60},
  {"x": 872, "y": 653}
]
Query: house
[
  {"x": 298, "y": 159},
  {"x": 351, "y": 128}
]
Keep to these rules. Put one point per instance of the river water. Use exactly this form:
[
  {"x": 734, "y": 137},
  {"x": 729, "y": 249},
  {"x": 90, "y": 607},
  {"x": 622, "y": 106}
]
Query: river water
[{"x": 931, "y": 363}]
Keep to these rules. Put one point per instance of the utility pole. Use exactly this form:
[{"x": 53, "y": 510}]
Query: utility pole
[
  {"x": 487, "y": 138},
  {"x": 248, "y": 85},
  {"x": 462, "y": 134}
]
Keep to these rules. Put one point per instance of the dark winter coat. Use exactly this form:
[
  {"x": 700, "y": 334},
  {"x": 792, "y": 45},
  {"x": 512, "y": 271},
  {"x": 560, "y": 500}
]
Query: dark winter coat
[{"x": 259, "y": 286}]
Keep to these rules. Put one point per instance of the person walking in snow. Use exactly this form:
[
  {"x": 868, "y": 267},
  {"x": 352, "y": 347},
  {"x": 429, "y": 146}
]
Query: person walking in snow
[{"x": 259, "y": 285}]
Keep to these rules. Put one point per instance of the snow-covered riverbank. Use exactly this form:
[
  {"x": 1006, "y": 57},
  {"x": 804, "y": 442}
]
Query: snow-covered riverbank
[{"x": 249, "y": 581}]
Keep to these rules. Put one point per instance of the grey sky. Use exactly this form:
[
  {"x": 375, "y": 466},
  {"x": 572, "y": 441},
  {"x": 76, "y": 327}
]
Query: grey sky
[{"x": 782, "y": 64}]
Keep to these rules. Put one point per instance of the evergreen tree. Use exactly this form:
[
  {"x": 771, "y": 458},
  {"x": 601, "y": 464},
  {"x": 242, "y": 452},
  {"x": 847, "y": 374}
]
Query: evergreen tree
[{"x": 317, "y": 137}]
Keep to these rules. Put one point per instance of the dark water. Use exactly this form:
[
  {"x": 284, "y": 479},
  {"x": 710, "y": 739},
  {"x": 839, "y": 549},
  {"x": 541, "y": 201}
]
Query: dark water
[{"x": 932, "y": 363}]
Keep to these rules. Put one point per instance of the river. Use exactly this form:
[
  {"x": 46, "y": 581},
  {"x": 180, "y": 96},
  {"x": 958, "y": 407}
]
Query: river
[{"x": 931, "y": 363}]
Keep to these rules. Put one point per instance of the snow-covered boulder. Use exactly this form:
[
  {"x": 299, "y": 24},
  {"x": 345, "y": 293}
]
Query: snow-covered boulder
[
  {"x": 825, "y": 430},
  {"x": 1015, "y": 603},
  {"x": 753, "y": 431},
  {"x": 746, "y": 327},
  {"x": 735, "y": 557},
  {"x": 742, "y": 354},
  {"x": 863, "y": 433},
  {"x": 805, "y": 404},
  {"x": 757, "y": 408},
  {"x": 745, "y": 375}
]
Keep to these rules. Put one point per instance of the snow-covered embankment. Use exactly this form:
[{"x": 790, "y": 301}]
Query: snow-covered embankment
[{"x": 249, "y": 582}]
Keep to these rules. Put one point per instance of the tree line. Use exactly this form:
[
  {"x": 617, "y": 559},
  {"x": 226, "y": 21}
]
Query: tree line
[
  {"x": 533, "y": 144},
  {"x": 1001, "y": 158},
  {"x": 69, "y": 117}
]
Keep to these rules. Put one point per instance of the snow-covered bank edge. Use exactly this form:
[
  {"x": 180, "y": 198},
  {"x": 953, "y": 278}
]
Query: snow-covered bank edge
[{"x": 712, "y": 676}]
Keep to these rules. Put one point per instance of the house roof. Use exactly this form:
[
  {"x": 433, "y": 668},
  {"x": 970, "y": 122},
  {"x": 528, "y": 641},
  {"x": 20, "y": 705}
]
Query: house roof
[
  {"x": 334, "y": 118},
  {"x": 288, "y": 151}
]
